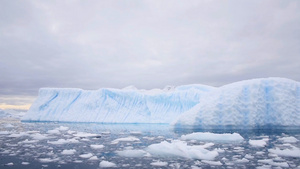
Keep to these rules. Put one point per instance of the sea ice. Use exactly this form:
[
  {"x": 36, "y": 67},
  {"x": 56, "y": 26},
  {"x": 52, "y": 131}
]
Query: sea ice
[
  {"x": 95, "y": 146},
  {"x": 88, "y": 155},
  {"x": 290, "y": 139},
  {"x": 159, "y": 163},
  {"x": 63, "y": 141},
  {"x": 68, "y": 152},
  {"x": 292, "y": 152},
  {"x": 258, "y": 143},
  {"x": 107, "y": 164},
  {"x": 131, "y": 153},
  {"x": 213, "y": 137},
  {"x": 127, "y": 139},
  {"x": 178, "y": 148}
]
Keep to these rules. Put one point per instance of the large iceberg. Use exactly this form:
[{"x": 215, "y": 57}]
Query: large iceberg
[
  {"x": 114, "y": 105},
  {"x": 258, "y": 102}
]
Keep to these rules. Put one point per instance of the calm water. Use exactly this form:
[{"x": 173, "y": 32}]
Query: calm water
[{"x": 41, "y": 145}]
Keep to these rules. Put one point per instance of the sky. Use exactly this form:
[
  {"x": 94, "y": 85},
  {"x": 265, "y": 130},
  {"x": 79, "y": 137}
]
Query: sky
[{"x": 92, "y": 44}]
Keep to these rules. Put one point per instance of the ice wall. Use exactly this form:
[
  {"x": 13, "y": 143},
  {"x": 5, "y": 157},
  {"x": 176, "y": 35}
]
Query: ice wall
[
  {"x": 115, "y": 106},
  {"x": 258, "y": 102}
]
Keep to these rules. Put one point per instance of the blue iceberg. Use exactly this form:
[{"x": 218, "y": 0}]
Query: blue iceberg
[{"x": 257, "y": 102}]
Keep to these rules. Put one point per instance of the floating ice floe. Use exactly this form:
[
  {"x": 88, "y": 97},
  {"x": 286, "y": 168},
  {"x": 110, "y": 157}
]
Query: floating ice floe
[
  {"x": 88, "y": 155},
  {"x": 95, "y": 146},
  {"x": 127, "y": 139},
  {"x": 82, "y": 134},
  {"x": 290, "y": 139},
  {"x": 288, "y": 152},
  {"x": 159, "y": 163},
  {"x": 206, "y": 136},
  {"x": 258, "y": 143},
  {"x": 107, "y": 164},
  {"x": 63, "y": 141},
  {"x": 132, "y": 153},
  {"x": 271, "y": 162},
  {"x": 178, "y": 148},
  {"x": 68, "y": 152}
]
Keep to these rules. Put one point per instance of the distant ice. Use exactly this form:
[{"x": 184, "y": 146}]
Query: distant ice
[
  {"x": 95, "y": 146},
  {"x": 131, "y": 153},
  {"x": 178, "y": 148},
  {"x": 68, "y": 152},
  {"x": 212, "y": 137},
  {"x": 107, "y": 164},
  {"x": 127, "y": 139},
  {"x": 159, "y": 163},
  {"x": 288, "y": 139},
  {"x": 88, "y": 155},
  {"x": 258, "y": 143},
  {"x": 63, "y": 141},
  {"x": 288, "y": 152}
]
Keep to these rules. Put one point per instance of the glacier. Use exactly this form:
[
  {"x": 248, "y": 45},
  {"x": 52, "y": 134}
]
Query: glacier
[{"x": 255, "y": 102}]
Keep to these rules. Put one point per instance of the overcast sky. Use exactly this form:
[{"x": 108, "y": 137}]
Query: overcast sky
[{"x": 149, "y": 44}]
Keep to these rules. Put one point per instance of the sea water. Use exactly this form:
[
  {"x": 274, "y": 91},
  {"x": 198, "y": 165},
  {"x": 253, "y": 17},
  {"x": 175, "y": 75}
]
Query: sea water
[{"x": 91, "y": 145}]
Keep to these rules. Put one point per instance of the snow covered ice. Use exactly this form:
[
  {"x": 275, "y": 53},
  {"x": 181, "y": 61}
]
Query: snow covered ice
[{"x": 258, "y": 102}]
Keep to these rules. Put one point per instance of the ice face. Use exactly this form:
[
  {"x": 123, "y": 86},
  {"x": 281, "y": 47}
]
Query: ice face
[
  {"x": 257, "y": 102},
  {"x": 115, "y": 106}
]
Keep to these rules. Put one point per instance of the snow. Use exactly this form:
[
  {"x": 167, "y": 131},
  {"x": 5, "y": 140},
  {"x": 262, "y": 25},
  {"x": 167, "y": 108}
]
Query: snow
[
  {"x": 159, "y": 163},
  {"x": 258, "y": 143},
  {"x": 88, "y": 155},
  {"x": 107, "y": 164},
  {"x": 68, "y": 152},
  {"x": 178, "y": 148},
  {"x": 127, "y": 139},
  {"x": 82, "y": 134},
  {"x": 206, "y": 136},
  {"x": 131, "y": 153},
  {"x": 289, "y": 152},
  {"x": 271, "y": 162},
  {"x": 95, "y": 146},
  {"x": 63, "y": 141},
  {"x": 25, "y": 163},
  {"x": 288, "y": 139}
]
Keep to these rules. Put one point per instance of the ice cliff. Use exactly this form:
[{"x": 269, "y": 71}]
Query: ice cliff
[
  {"x": 257, "y": 102},
  {"x": 115, "y": 106}
]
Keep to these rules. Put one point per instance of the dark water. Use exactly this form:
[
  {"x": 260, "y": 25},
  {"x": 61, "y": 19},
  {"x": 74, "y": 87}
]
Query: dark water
[{"x": 32, "y": 143}]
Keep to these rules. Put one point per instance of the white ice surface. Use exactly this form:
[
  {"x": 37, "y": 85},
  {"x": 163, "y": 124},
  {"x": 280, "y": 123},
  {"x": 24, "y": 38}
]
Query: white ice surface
[
  {"x": 126, "y": 139},
  {"x": 107, "y": 164},
  {"x": 257, "y": 102},
  {"x": 206, "y": 136},
  {"x": 68, "y": 152},
  {"x": 177, "y": 148},
  {"x": 268, "y": 101},
  {"x": 258, "y": 143},
  {"x": 96, "y": 146},
  {"x": 114, "y": 105},
  {"x": 288, "y": 152}
]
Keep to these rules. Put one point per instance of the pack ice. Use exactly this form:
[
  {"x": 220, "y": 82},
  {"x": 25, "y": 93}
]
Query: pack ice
[{"x": 257, "y": 102}]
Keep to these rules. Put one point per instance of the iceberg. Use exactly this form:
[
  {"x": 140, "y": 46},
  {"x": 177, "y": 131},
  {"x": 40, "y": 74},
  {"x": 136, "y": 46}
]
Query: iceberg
[
  {"x": 127, "y": 105},
  {"x": 256, "y": 102}
]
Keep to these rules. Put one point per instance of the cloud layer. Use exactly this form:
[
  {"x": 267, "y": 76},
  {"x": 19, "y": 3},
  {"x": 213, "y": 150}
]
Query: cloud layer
[{"x": 148, "y": 44}]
